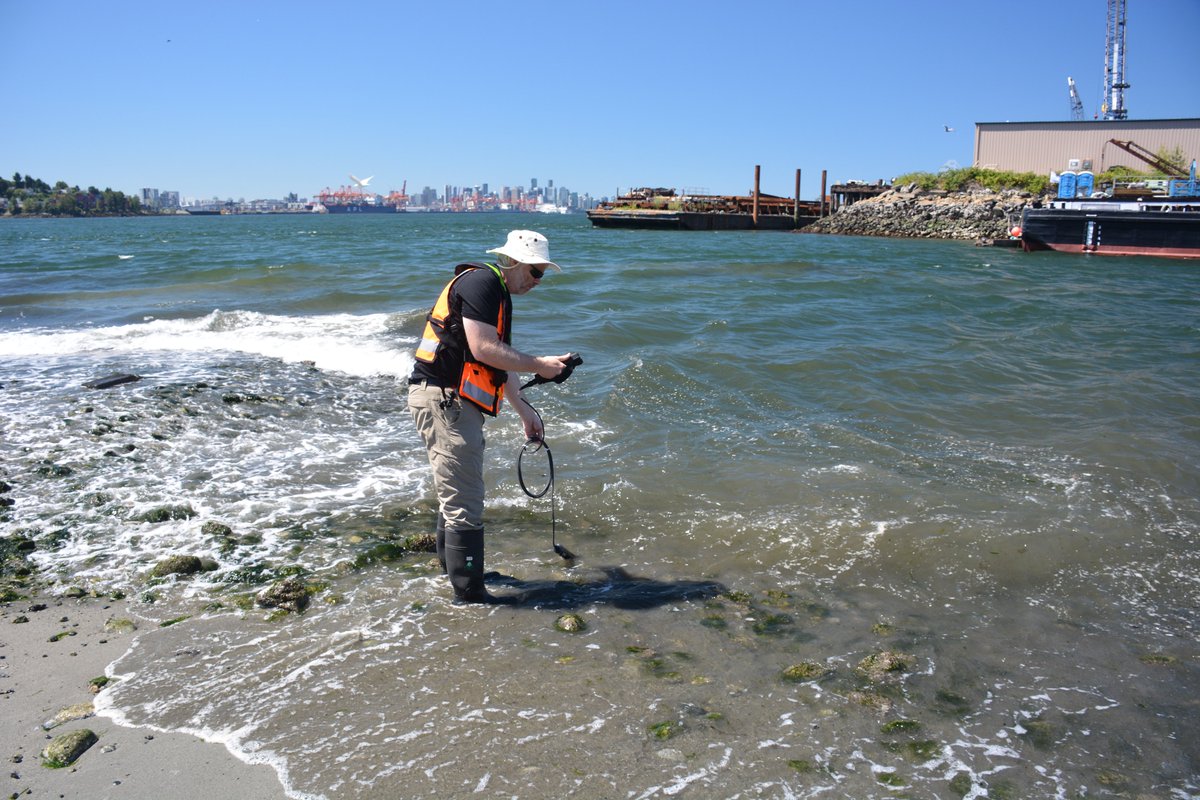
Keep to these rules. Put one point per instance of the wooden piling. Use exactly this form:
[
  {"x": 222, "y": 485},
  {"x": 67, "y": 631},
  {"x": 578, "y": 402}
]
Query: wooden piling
[
  {"x": 823, "y": 175},
  {"x": 796, "y": 204},
  {"x": 757, "y": 171}
]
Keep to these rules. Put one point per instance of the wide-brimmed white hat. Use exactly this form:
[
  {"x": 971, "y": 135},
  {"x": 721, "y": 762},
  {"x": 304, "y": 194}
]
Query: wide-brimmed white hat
[{"x": 527, "y": 247}]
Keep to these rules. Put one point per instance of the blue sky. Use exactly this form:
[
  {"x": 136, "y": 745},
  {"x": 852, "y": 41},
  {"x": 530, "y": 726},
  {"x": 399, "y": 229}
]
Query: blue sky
[{"x": 258, "y": 99}]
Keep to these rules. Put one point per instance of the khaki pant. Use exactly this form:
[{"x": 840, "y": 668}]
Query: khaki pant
[{"x": 454, "y": 441}]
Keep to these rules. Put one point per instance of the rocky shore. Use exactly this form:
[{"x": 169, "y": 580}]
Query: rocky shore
[{"x": 913, "y": 213}]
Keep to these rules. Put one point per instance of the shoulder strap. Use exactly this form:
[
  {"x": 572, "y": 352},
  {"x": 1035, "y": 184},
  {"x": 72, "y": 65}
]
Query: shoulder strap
[{"x": 469, "y": 265}]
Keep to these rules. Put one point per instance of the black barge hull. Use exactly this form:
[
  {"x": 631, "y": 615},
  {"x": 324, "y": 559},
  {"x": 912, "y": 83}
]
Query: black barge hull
[{"x": 1171, "y": 234}]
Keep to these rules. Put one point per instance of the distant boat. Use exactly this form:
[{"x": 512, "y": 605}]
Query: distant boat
[
  {"x": 360, "y": 208},
  {"x": 353, "y": 200}
]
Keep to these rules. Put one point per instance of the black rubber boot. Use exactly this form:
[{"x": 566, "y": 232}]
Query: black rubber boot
[
  {"x": 464, "y": 563},
  {"x": 441, "y": 541}
]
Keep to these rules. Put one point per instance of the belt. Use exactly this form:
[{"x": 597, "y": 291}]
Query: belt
[{"x": 424, "y": 382}]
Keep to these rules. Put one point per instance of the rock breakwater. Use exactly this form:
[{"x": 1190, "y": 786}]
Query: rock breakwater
[{"x": 913, "y": 213}]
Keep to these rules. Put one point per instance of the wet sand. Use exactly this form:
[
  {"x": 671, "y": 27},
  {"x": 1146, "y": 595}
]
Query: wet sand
[{"x": 43, "y": 672}]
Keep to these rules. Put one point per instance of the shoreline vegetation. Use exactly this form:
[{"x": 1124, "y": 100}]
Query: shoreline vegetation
[{"x": 26, "y": 196}]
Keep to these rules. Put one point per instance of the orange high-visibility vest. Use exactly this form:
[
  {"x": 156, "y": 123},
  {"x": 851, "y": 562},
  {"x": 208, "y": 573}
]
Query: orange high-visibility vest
[{"x": 480, "y": 383}]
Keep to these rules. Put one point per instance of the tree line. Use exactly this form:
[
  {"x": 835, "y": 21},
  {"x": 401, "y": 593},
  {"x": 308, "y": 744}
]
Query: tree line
[{"x": 28, "y": 195}]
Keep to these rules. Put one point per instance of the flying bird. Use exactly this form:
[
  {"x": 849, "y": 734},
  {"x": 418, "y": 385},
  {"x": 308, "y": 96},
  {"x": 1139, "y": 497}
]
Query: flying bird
[
  {"x": 948, "y": 129},
  {"x": 362, "y": 182}
]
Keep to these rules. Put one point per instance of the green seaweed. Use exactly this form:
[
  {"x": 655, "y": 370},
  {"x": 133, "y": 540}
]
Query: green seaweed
[
  {"x": 1040, "y": 733},
  {"x": 889, "y": 779},
  {"x": 901, "y": 726},
  {"x": 771, "y": 624},
  {"x": 804, "y": 671},
  {"x": 952, "y": 703},
  {"x": 665, "y": 730},
  {"x": 1158, "y": 659},
  {"x": 923, "y": 750}
]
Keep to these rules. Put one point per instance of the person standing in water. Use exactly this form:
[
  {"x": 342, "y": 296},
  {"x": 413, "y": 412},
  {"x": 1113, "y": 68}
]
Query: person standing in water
[{"x": 465, "y": 368}]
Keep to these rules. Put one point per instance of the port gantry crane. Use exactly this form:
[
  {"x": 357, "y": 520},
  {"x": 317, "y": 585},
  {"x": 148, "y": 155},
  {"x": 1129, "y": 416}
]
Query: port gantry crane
[{"x": 1114, "y": 62}]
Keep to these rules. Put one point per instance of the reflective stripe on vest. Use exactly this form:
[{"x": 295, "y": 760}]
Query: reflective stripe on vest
[
  {"x": 479, "y": 386},
  {"x": 483, "y": 385}
]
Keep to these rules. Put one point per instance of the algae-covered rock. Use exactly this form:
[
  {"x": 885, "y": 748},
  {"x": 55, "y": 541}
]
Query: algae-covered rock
[
  {"x": 961, "y": 783},
  {"x": 570, "y": 623},
  {"x": 177, "y": 565},
  {"x": 166, "y": 513},
  {"x": 120, "y": 625},
  {"x": 1038, "y": 732},
  {"x": 420, "y": 543},
  {"x": 64, "y": 750},
  {"x": 871, "y": 700},
  {"x": 901, "y": 726},
  {"x": 212, "y": 528},
  {"x": 804, "y": 671},
  {"x": 289, "y": 594},
  {"x": 665, "y": 730},
  {"x": 880, "y": 666}
]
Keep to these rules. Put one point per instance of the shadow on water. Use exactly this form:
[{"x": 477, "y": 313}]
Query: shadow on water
[{"x": 618, "y": 589}]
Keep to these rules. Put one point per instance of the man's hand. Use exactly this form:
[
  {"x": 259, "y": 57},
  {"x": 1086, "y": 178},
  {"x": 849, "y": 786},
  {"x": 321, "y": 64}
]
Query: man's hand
[
  {"x": 549, "y": 367},
  {"x": 534, "y": 429}
]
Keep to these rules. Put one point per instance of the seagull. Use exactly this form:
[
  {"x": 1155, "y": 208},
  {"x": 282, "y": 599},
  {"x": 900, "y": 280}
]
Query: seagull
[
  {"x": 948, "y": 129},
  {"x": 363, "y": 181}
]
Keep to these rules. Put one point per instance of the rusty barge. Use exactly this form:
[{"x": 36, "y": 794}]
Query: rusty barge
[{"x": 664, "y": 209}]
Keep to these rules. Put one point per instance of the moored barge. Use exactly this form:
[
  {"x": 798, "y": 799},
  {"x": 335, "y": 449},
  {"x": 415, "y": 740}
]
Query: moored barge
[
  {"x": 1153, "y": 226},
  {"x": 663, "y": 209}
]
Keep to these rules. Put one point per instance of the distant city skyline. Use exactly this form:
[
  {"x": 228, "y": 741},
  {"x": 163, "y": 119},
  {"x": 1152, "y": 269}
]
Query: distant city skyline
[
  {"x": 474, "y": 197},
  {"x": 262, "y": 99}
]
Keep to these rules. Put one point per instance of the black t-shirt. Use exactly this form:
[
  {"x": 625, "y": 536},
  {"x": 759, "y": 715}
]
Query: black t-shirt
[{"x": 477, "y": 295}]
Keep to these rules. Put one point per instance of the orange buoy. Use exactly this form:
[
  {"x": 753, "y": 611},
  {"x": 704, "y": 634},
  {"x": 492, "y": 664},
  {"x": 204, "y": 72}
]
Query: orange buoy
[{"x": 1015, "y": 232}]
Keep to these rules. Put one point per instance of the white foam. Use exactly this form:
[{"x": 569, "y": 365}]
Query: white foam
[{"x": 360, "y": 345}]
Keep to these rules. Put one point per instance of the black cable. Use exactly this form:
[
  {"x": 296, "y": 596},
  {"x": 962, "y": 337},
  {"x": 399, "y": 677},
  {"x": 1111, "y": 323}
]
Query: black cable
[{"x": 540, "y": 444}]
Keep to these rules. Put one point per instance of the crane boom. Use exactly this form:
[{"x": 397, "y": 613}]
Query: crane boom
[
  {"x": 1162, "y": 165},
  {"x": 1114, "y": 62},
  {"x": 1076, "y": 103}
]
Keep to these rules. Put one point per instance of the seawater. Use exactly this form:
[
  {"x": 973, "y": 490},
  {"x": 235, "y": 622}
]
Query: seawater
[{"x": 781, "y": 450}]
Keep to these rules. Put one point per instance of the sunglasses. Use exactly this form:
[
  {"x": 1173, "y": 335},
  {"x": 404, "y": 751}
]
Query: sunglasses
[{"x": 536, "y": 273}]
